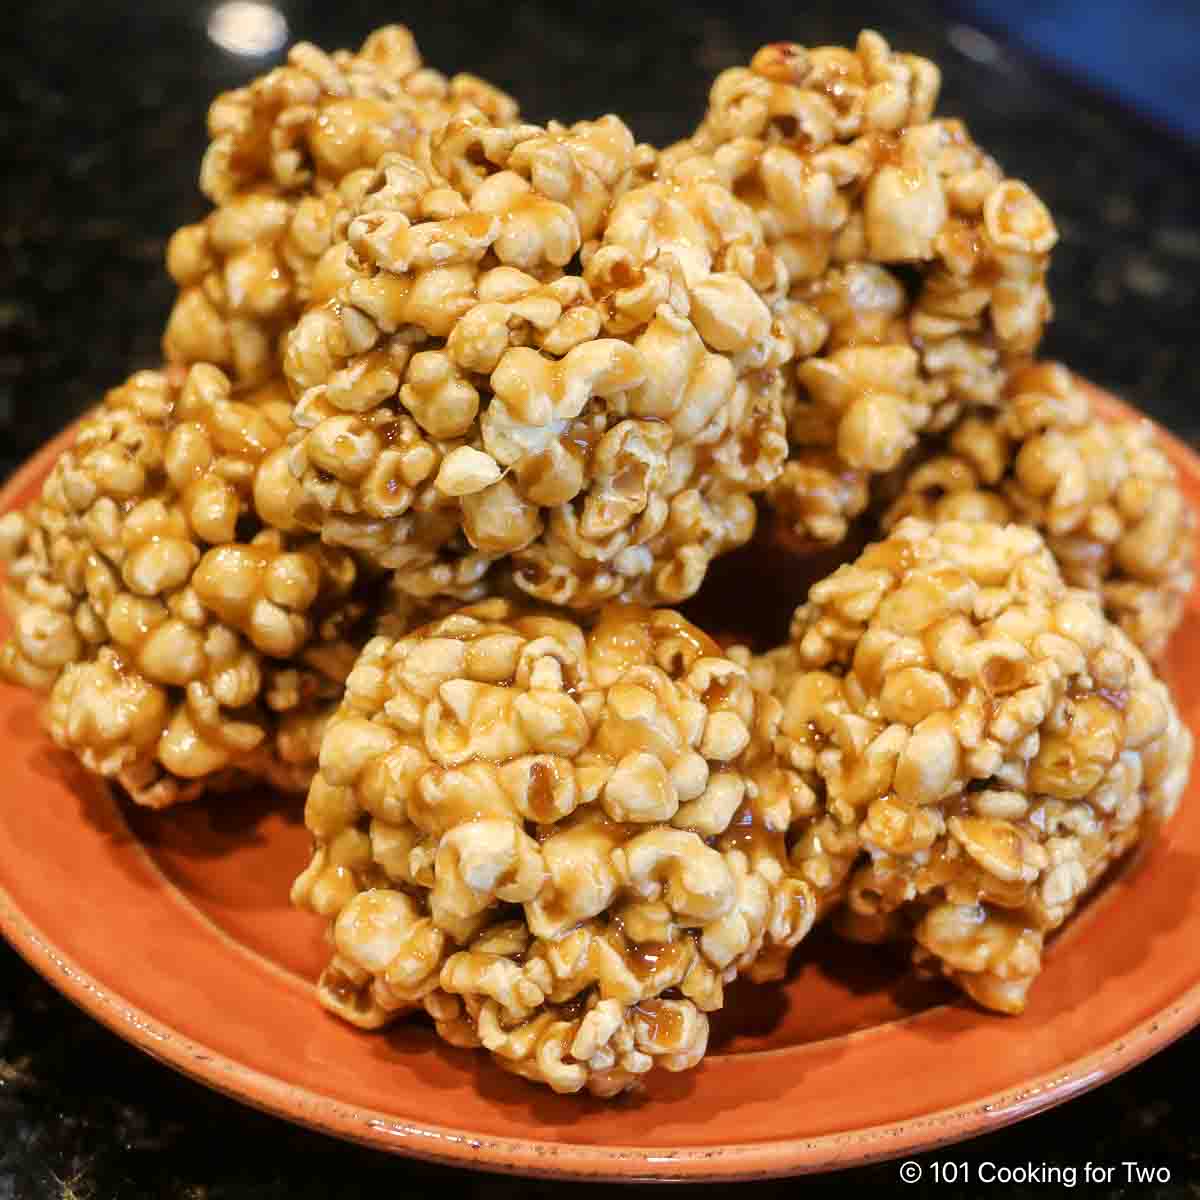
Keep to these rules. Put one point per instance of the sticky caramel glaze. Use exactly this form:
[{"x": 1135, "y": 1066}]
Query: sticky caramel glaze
[
  {"x": 632, "y": 629},
  {"x": 664, "y": 1021}
]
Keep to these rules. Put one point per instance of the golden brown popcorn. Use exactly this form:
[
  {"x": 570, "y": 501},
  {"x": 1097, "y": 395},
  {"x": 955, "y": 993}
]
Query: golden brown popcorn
[
  {"x": 462, "y": 399},
  {"x": 184, "y": 640},
  {"x": 917, "y": 270},
  {"x": 286, "y": 160},
  {"x": 1104, "y": 495},
  {"x": 560, "y": 841},
  {"x": 817, "y": 496},
  {"x": 993, "y": 742}
]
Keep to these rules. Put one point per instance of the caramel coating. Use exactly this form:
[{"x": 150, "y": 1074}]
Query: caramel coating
[
  {"x": 1104, "y": 495},
  {"x": 183, "y": 640},
  {"x": 286, "y": 161},
  {"x": 560, "y": 841},
  {"x": 917, "y": 269},
  {"x": 462, "y": 399},
  {"x": 991, "y": 740}
]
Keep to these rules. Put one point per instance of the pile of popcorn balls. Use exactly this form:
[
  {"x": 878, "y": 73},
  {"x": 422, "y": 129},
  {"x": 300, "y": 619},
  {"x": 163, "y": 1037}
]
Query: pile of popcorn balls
[{"x": 454, "y": 407}]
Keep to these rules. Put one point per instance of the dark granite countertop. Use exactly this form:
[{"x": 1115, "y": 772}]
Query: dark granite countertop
[{"x": 101, "y": 128}]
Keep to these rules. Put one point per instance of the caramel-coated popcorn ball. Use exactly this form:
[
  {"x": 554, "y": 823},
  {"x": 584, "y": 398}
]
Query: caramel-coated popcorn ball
[
  {"x": 287, "y": 158},
  {"x": 917, "y": 269},
  {"x": 992, "y": 740},
  {"x": 561, "y": 842},
  {"x": 464, "y": 398},
  {"x": 184, "y": 640},
  {"x": 1104, "y": 495}
]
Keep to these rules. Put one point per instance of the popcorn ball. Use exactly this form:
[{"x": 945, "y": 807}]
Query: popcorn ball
[
  {"x": 560, "y": 841},
  {"x": 286, "y": 160},
  {"x": 917, "y": 269},
  {"x": 993, "y": 742},
  {"x": 187, "y": 631},
  {"x": 539, "y": 354},
  {"x": 1104, "y": 495}
]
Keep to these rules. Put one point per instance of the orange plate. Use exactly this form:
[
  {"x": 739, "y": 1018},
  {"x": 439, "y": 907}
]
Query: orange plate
[{"x": 174, "y": 930}]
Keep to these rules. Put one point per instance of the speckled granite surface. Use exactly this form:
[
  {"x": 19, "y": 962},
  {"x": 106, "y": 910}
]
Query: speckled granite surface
[{"x": 101, "y": 127}]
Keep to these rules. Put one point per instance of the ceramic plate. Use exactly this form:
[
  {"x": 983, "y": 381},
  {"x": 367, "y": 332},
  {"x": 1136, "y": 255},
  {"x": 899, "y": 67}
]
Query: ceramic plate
[{"x": 174, "y": 930}]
